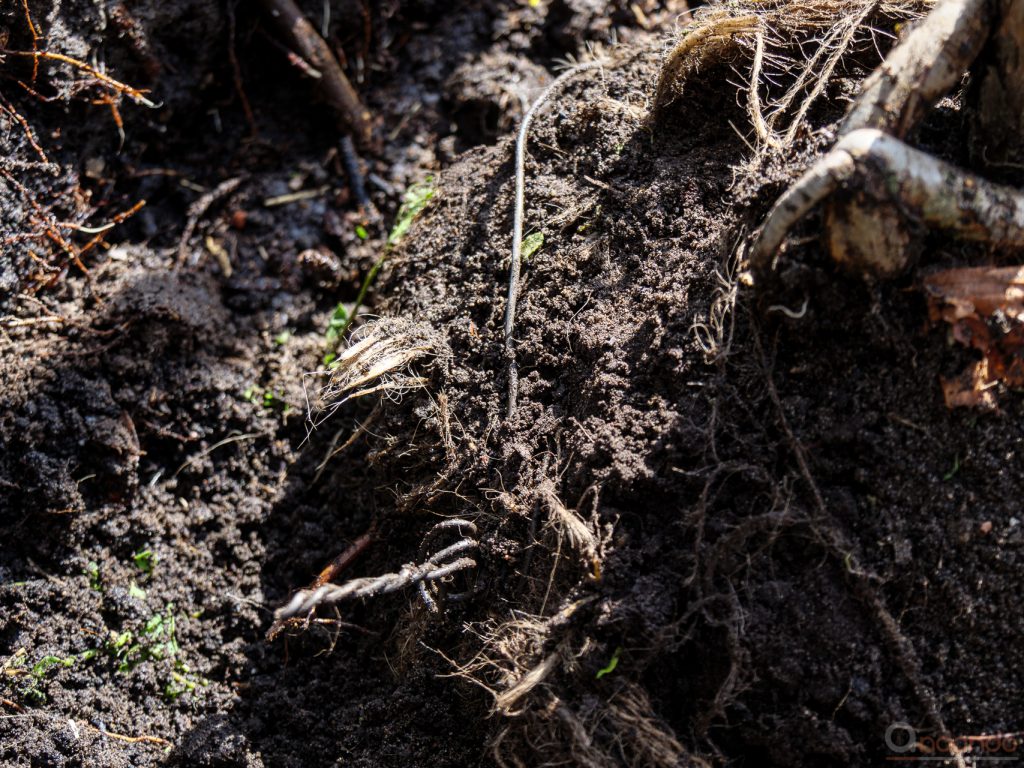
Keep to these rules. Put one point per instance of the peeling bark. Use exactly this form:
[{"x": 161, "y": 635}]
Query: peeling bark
[{"x": 892, "y": 183}]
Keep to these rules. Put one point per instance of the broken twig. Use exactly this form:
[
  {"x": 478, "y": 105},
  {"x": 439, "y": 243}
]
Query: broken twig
[
  {"x": 200, "y": 207},
  {"x": 336, "y": 86}
]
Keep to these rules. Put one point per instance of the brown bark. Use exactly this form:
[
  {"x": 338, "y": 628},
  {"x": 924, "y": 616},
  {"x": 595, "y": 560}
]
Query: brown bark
[{"x": 336, "y": 88}]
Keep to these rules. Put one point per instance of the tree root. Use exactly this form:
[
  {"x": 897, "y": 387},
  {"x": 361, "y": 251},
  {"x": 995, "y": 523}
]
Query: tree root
[
  {"x": 888, "y": 176},
  {"x": 438, "y": 566},
  {"x": 336, "y": 87},
  {"x": 887, "y": 185}
]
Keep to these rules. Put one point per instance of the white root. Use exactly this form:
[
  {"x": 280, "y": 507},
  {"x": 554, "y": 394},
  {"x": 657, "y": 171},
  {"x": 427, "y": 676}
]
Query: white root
[
  {"x": 921, "y": 69},
  {"x": 380, "y": 358},
  {"x": 891, "y": 184},
  {"x": 506, "y": 700},
  {"x": 926, "y": 189},
  {"x": 518, "y": 213}
]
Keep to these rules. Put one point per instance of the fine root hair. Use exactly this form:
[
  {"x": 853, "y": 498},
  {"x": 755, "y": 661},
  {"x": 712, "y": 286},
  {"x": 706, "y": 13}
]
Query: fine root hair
[
  {"x": 381, "y": 358},
  {"x": 785, "y": 54}
]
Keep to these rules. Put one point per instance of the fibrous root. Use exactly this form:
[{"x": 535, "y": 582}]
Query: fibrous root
[{"x": 429, "y": 575}]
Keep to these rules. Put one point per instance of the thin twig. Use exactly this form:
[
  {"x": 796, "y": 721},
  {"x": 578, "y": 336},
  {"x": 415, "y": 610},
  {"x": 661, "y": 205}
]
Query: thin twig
[
  {"x": 359, "y": 431},
  {"x": 133, "y": 93},
  {"x": 356, "y": 182},
  {"x": 215, "y": 446},
  {"x": 35, "y": 39},
  {"x": 200, "y": 207},
  {"x": 130, "y": 739},
  {"x": 29, "y": 134},
  {"x": 432, "y": 569},
  {"x": 517, "y": 226},
  {"x": 236, "y": 70},
  {"x": 335, "y": 85}
]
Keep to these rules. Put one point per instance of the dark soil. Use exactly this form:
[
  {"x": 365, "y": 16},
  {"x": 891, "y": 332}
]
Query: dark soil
[{"x": 800, "y": 545}]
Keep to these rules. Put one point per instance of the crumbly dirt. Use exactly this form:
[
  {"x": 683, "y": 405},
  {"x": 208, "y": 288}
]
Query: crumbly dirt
[{"x": 798, "y": 544}]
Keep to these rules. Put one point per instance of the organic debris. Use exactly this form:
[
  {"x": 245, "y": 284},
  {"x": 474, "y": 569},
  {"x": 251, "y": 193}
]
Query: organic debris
[
  {"x": 984, "y": 307},
  {"x": 379, "y": 359}
]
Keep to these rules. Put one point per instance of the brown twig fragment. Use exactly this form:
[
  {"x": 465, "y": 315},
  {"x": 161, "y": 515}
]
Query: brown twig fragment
[
  {"x": 129, "y": 739},
  {"x": 49, "y": 226},
  {"x": 336, "y": 86},
  {"x": 332, "y": 571},
  {"x": 236, "y": 71},
  {"x": 200, "y": 207},
  {"x": 29, "y": 134},
  {"x": 35, "y": 38},
  {"x": 114, "y": 221},
  {"x": 435, "y": 567},
  {"x": 134, "y": 94}
]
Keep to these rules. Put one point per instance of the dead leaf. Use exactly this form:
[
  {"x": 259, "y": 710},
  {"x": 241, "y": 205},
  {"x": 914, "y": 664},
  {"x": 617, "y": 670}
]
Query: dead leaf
[
  {"x": 985, "y": 308},
  {"x": 971, "y": 389},
  {"x": 977, "y": 290}
]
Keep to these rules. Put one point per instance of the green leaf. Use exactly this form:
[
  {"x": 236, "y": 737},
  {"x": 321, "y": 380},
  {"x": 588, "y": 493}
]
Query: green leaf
[
  {"x": 134, "y": 590},
  {"x": 611, "y": 664},
  {"x": 336, "y": 326},
  {"x": 41, "y": 667},
  {"x": 92, "y": 570},
  {"x": 155, "y": 625},
  {"x": 117, "y": 642},
  {"x": 282, "y": 338},
  {"x": 361, "y": 232},
  {"x": 532, "y": 244},
  {"x": 145, "y": 561},
  {"x": 415, "y": 200}
]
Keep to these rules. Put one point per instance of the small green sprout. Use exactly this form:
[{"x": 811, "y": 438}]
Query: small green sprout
[
  {"x": 415, "y": 200},
  {"x": 266, "y": 398},
  {"x": 335, "y": 327},
  {"x": 45, "y": 664},
  {"x": 145, "y": 560},
  {"x": 532, "y": 244},
  {"x": 92, "y": 571},
  {"x": 182, "y": 681},
  {"x": 282, "y": 338},
  {"x": 38, "y": 673},
  {"x": 124, "y": 651},
  {"x": 161, "y": 631},
  {"x": 361, "y": 232},
  {"x": 607, "y": 670},
  {"x": 135, "y": 591},
  {"x": 953, "y": 470}
]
